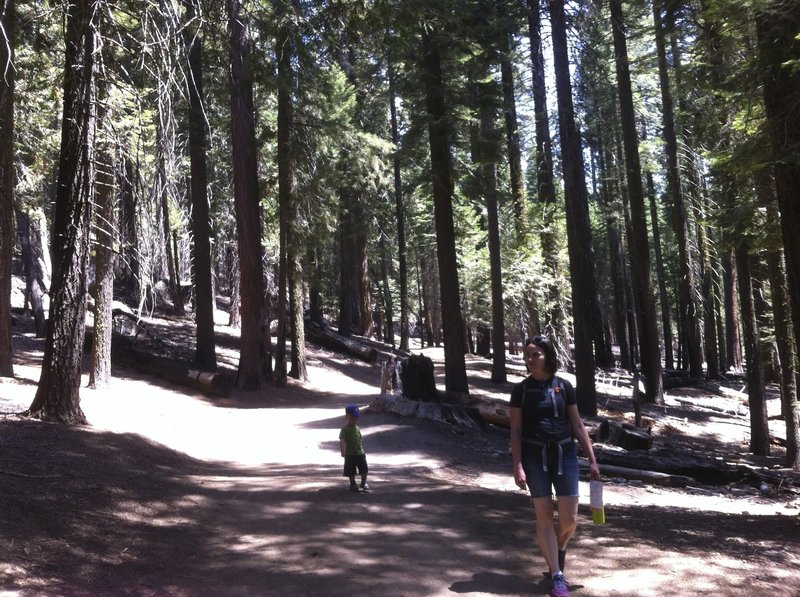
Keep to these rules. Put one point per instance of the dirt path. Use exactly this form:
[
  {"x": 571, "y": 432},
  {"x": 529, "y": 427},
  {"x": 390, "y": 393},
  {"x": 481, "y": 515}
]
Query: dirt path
[{"x": 170, "y": 493}]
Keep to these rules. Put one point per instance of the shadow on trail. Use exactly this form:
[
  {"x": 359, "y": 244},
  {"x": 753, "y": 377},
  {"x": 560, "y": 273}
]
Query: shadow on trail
[{"x": 98, "y": 513}]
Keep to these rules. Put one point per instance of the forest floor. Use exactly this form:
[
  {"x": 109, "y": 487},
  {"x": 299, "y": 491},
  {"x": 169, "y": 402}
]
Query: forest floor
[{"x": 170, "y": 492}]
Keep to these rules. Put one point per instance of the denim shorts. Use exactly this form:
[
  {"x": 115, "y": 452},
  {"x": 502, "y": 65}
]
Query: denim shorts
[{"x": 541, "y": 482}]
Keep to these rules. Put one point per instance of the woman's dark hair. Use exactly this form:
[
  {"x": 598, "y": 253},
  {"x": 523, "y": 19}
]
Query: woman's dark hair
[{"x": 550, "y": 358}]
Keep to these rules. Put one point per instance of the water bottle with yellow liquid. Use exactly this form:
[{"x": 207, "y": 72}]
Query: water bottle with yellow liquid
[{"x": 596, "y": 502}]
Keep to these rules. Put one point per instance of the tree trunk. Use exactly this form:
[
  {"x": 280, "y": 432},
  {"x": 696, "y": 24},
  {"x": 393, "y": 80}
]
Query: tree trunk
[
  {"x": 388, "y": 304},
  {"x": 128, "y": 266},
  {"x": 455, "y": 365},
  {"x": 295, "y": 245},
  {"x": 234, "y": 287},
  {"x": 163, "y": 203},
  {"x": 666, "y": 320},
  {"x": 545, "y": 185},
  {"x": 58, "y": 393},
  {"x": 759, "y": 428},
  {"x": 103, "y": 292},
  {"x": 290, "y": 284},
  {"x": 400, "y": 218},
  {"x": 616, "y": 251},
  {"x": 778, "y": 49},
  {"x": 35, "y": 287},
  {"x": 7, "y": 182},
  {"x": 686, "y": 285},
  {"x": 784, "y": 338},
  {"x": 205, "y": 353},
  {"x": 733, "y": 346},
  {"x": 486, "y": 154},
  {"x": 246, "y": 202},
  {"x": 640, "y": 252},
  {"x": 581, "y": 253},
  {"x": 351, "y": 218},
  {"x": 513, "y": 142}
]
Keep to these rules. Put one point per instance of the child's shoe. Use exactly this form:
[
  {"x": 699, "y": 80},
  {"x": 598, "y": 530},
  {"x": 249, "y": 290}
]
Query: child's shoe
[
  {"x": 365, "y": 486},
  {"x": 353, "y": 487},
  {"x": 559, "y": 587}
]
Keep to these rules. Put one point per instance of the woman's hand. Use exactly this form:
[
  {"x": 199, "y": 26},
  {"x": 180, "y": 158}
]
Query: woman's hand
[
  {"x": 519, "y": 477},
  {"x": 594, "y": 471}
]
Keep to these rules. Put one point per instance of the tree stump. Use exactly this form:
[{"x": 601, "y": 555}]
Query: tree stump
[
  {"x": 416, "y": 377},
  {"x": 629, "y": 437}
]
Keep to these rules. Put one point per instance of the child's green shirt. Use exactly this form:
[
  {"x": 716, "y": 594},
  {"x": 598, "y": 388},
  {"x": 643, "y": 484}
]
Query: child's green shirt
[{"x": 351, "y": 435}]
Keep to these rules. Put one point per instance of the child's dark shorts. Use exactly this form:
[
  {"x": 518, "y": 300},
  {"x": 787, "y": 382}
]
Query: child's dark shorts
[{"x": 351, "y": 463}]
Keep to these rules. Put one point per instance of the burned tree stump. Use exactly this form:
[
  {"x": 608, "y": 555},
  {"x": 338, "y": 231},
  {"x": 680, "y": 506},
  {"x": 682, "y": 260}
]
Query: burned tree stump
[{"x": 416, "y": 377}]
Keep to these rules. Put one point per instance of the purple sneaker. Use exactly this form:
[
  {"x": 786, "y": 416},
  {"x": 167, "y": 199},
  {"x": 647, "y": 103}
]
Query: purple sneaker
[{"x": 559, "y": 587}]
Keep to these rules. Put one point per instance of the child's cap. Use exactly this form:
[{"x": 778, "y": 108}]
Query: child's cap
[{"x": 352, "y": 410}]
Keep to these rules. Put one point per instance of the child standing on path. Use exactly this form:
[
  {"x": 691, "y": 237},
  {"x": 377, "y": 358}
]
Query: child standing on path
[{"x": 355, "y": 459}]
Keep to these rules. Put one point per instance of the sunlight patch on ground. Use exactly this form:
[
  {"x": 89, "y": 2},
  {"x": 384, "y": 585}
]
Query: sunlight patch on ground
[{"x": 686, "y": 500}]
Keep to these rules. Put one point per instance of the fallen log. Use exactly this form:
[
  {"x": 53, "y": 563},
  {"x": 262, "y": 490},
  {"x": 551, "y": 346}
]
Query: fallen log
[
  {"x": 453, "y": 414},
  {"x": 700, "y": 468},
  {"x": 210, "y": 383},
  {"x": 654, "y": 477},
  {"x": 334, "y": 341}
]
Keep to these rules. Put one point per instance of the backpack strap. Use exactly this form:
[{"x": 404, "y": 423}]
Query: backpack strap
[
  {"x": 556, "y": 391},
  {"x": 557, "y": 397}
]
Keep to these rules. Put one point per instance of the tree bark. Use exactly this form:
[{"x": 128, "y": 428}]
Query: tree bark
[
  {"x": 399, "y": 217},
  {"x": 455, "y": 365},
  {"x": 759, "y": 428},
  {"x": 545, "y": 185},
  {"x": 730, "y": 282},
  {"x": 290, "y": 284},
  {"x": 35, "y": 287},
  {"x": 778, "y": 49},
  {"x": 686, "y": 284},
  {"x": 581, "y": 253},
  {"x": 58, "y": 393},
  {"x": 105, "y": 224},
  {"x": 513, "y": 141},
  {"x": 488, "y": 151},
  {"x": 640, "y": 252},
  {"x": 661, "y": 276},
  {"x": 7, "y": 180},
  {"x": 205, "y": 352},
  {"x": 784, "y": 338},
  {"x": 246, "y": 201}
]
